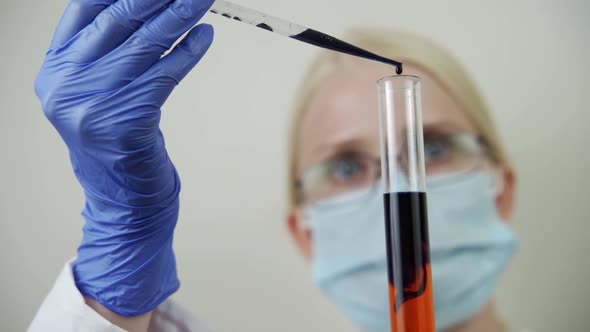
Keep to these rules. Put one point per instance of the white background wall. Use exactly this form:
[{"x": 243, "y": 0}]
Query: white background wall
[{"x": 225, "y": 129}]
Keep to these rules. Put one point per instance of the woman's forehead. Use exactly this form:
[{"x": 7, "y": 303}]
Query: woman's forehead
[{"x": 343, "y": 110}]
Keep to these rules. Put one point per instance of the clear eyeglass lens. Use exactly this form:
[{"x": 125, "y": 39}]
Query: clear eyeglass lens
[
  {"x": 340, "y": 175},
  {"x": 450, "y": 153},
  {"x": 444, "y": 154}
]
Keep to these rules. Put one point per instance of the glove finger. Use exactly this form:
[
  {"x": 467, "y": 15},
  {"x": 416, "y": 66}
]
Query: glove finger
[
  {"x": 77, "y": 15},
  {"x": 164, "y": 75},
  {"x": 154, "y": 38},
  {"x": 113, "y": 26}
]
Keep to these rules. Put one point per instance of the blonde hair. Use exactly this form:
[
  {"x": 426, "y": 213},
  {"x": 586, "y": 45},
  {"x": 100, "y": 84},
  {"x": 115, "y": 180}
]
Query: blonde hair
[{"x": 406, "y": 48}]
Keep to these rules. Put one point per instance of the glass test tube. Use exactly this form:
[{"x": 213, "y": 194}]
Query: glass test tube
[{"x": 406, "y": 219}]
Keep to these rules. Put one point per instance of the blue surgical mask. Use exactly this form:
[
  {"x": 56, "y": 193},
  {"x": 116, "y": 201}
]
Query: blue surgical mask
[{"x": 470, "y": 247}]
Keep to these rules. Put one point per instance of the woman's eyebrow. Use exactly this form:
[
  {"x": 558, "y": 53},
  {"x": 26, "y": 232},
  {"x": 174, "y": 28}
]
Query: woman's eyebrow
[
  {"x": 442, "y": 128},
  {"x": 328, "y": 150}
]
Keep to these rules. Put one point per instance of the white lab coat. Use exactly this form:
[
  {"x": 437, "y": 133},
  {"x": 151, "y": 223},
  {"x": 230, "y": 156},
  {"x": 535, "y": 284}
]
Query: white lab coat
[{"x": 64, "y": 310}]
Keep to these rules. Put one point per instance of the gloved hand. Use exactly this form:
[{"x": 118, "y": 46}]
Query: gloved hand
[{"x": 102, "y": 85}]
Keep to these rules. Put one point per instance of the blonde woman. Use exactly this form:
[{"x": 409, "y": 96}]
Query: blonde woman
[
  {"x": 102, "y": 86},
  {"x": 336, "y": 216}
]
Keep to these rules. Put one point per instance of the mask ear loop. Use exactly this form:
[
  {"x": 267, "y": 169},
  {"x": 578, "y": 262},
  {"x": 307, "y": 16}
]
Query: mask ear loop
[
  {"x": 304, "y": 224},
  {"x": 498, "y": 182}
]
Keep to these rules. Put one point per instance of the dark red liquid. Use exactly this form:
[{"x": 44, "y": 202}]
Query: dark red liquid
[{"x": 408, "y": 262}]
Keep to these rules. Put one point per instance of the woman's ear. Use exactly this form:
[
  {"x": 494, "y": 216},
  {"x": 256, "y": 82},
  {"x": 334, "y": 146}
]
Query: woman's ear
[
  {"x": 506, "y": 198},
  {"x": 300, "y": 235}
]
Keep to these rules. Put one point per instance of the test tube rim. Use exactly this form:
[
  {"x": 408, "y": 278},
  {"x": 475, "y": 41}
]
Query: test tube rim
[{"x": 382, "y": 82}]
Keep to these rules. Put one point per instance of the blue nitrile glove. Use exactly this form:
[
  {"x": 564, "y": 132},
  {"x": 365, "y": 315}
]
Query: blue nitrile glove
[{"x": 101, "y": 86}]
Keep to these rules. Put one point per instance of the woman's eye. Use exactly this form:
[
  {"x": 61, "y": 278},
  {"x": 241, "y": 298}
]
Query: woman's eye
[
  {"x": 436, "y": 150},
  {"x": 346, "y": 170}
]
